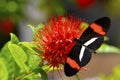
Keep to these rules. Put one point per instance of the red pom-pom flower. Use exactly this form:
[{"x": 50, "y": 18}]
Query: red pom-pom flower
[{"x": 57, "y": 39}]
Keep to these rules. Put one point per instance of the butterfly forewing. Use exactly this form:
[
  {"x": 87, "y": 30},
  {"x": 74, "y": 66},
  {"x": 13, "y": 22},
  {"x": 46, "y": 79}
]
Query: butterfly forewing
[{"x": 98, "y": 28}]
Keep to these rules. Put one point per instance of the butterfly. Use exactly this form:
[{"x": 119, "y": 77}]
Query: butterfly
[{"x": 90, "y": 40}]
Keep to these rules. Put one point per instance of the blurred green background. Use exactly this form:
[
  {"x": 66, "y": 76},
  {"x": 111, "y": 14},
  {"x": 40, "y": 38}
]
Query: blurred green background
[{"x": 16, "y": 14}]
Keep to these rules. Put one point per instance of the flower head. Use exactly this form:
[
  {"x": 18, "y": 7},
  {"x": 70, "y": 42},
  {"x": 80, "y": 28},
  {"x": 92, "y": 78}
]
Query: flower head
[{"x": 57, "y": 39}]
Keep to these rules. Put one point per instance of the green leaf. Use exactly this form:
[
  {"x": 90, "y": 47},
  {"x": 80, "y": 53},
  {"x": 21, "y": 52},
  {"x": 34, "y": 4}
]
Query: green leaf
[
  {"x": 115, "y": 74},
  {"x": 40, "y": 26},
  {"x": 31, "y": 76},
  {"x": 29, "y": 46},
  {"x": 3, "y": 70},
  {"x": 106, "y": 38},
  {"x": 33, "y": 59},
  {"x": 11, "y": 67},
  {"x": 19, "y": 56},
  {"x": 4, "y": 51},
  {"x": 32, "y": 27},
  {"x": 84, "y": 25},
  {"x": 43, "y": 74},
  {"x": 105, "y": 48},
  {"x": 14, "y": 38},
  {"x": 47, "y": 68},
  {"x": 27, "y": 76}
]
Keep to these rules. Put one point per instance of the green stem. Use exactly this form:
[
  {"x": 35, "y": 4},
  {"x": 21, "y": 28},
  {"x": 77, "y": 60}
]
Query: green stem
[
  {"x": 78, "y": 78},
  {"x": 23, "y": 76}
]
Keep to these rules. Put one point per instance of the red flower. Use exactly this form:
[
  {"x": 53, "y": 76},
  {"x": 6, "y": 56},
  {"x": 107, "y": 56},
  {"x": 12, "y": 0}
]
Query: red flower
[
  {"x": 6, "y": 26},
  {"x": 85, "y": 3},
  {"x": 57, "y": 39}
]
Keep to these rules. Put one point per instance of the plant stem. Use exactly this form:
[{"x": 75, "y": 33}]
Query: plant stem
[
  {"x": 23, "y": 75},
  {"x": 77, "y": 77}
]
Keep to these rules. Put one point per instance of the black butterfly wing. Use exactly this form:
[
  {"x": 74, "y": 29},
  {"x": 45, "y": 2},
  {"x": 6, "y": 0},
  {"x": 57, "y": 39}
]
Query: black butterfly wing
[
  {"x": 69, "y": 71},
  {"x": 90, "y": 40},
  {"x": 73, "y": 55},
  {"x": 76, "y": 53},
  {"x": 98, "y": 28},
  {"x": 89, "y": 47}
]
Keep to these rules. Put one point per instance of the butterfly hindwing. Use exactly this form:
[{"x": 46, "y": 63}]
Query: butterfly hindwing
[
  {"x": 73, "y": 55},
  {"x": 87, "y": 48},
  {"x": 70, "y": 71},
  {"x": 90, "y": 40},
  {"x": 81, "y": 56},
  {"x": 96, "y": 44}
]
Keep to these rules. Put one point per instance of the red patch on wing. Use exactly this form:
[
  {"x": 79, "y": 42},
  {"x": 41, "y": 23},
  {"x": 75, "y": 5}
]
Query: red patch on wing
[
  {"x": 97, "y": 28},
  {"x": 73, "y": 63}
]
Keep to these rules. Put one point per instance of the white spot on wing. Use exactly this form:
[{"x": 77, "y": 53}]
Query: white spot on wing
[{"x": 83, "y": 47}]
